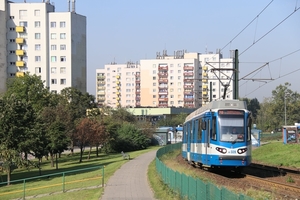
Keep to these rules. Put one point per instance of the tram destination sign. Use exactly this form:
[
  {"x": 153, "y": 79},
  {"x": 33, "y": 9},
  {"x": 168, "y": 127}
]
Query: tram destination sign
[{"x": 231, "y": 112}]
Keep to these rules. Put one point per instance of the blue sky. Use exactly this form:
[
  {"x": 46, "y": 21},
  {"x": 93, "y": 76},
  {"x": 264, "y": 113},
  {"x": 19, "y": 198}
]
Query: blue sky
[{"x": 121, "y": 31}]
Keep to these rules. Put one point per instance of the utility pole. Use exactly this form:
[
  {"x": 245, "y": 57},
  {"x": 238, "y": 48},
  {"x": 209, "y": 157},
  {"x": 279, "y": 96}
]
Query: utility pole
[{"x": 236, "y": 75}]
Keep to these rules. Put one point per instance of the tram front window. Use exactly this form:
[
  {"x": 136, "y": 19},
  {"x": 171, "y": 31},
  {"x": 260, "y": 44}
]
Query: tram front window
[{"x": 231, "y": 129}]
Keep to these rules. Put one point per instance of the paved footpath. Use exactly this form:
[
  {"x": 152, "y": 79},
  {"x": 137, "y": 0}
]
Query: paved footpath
[{"x": 130, "y": 181}]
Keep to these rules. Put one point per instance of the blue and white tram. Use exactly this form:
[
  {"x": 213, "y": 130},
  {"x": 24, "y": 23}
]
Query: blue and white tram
[{"x": 208, "y": 140}]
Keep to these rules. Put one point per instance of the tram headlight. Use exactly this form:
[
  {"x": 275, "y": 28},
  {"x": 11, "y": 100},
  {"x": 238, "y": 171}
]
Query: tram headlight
[
  {"x": 243, "y": 150},
  {"x": 221, "y": 150}
]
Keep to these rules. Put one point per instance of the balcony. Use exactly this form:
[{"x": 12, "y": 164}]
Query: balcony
[
  {"x": 188, "y": 67},
  {"x": 20, "y": 74},
  {"x": 160, "y": 68},
  {"x": 188, "y": 80},
  {"x": 118, "y": 98},
  {"x": 118, "y": 93},
  {"x": 20, "y": 63},
  {"x": 137, "y": 98},
  {"x": 101, "y": 88},
  {"x": 138, "y": 92},
  {"x": 189, "y": 99},
  {"x": 20, "y": 52},
  {"x": 204, "y": 93},
  {"x": 162, "y": 99},
  {"x": 101, "y": 82},
  {"x": 188, "y": 73},
  {"x": 163, "y": 80},
  {"x": 118, "y": 87},
  {"x": 20, "y": 29},
  {"x": 138, "y": 103},
  {"x": 101, "y": 92},
  {"x": 118, "y": 77},
  {"x": 137, "y": 80},
  {"x": 101, "y": 77},
  {"x": 118, "y": 82},
  {"x": 163, "y": 92},
  {"x": 188, "y": 92},
  {"x": 101, "y": 99},
  {"x": 188, "y": 86},
  {"x": 204, "y": 68},
  {"x": 162, "y": 74},
  {"x": 163, "y": 105},
  {"x": 204, "y": 80},
  {"x": 204, "y": 75},
  {"x": 188, "y": 105},
  {"x": 19, "y": 40},
  {"x": 205, "y": 86}
]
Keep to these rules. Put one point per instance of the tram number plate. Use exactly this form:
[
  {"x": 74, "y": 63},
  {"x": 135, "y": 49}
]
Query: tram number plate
[{"x": 232, "y": 151}]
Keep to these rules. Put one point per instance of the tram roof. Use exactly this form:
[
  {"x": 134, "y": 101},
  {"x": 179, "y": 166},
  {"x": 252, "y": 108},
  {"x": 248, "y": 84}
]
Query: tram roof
[{"x": 218, "y": 104}]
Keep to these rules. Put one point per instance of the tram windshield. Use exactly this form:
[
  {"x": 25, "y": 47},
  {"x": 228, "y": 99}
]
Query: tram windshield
[{"x": 232, "y": 128}]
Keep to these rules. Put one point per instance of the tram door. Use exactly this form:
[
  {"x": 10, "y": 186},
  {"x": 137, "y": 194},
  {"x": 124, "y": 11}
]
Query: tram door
[
  {"x": 189, "y": 128},
  {"x": 207, "y": 141}
]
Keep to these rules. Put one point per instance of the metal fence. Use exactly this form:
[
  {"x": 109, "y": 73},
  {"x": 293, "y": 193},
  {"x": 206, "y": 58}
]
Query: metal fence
[
  {"x": 53, "y": 183},
  {"x": 189, "y": 187}
]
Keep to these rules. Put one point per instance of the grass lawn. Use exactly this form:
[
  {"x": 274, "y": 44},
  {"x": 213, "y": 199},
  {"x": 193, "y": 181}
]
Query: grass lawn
[{"x": 52, "y": 184}]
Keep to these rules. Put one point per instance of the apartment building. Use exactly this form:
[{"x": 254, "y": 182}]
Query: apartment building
[
  {"x": 183, "y": 79},
  {"x": 117, "y": 85},
  {"x": 38, "y": 40}
]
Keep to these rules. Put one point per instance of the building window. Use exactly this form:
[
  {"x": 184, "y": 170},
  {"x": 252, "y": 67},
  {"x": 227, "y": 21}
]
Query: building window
[
  {"x": 11, "y": 17},
  {"x": 63, "y": 81},
  {"x": 53, "y": 36},
  {"x": 172, "y": 102},
  {"x": 38, "y": 70},
  {"x": 179, "y": 65},
  {"x": 23, "y": 23},
  {"x": 63, "y": 47},
  {"x": 62, "y": 36},
  {"x": 154, "y": 96},
  {"x": 52, "y": 24},
  {"x": 53, "y": 58},
  {"x": 37, "y": 12},
  {"x": 37, "y": 36},
  {"x": 53, "y": 70},
  {"x": 62, "y": 70},
  {"x": 154, "y": 78},
  {"x": 53, "y": 47},
  {"x": 37, "y": 24},
  {"x": 63, "y": 59},
  {"x": 37, "y": 47},
  {"x": 12, "y": 29},
  {"x": 12, "y": 40},
  {"x": 54, "y": 91},
  {"x": 37, "y": 58},
  {"x": 12, "y": 52},
  {"x": 179, "y": 71},
  {"x": 179, "y": 77},
  {"x": 172, "y": 90},
  {"x": 179, "y": 90},
  {"x": 171, "y": 65},
  {"x": 22, "y": 13},
  {"x": 171, "y": 96},
  {"x": 23, "y": 35},
  {"x": 171, "y": 77},
  {"x": 154, "y": 90},
  {"x": 53, "y": 81},
  {"x": 62, "y": 24},
  {"x": 154, "y": 84}
]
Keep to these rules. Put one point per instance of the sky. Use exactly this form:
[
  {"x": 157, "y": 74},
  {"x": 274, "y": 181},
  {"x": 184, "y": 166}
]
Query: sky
[{"x": 263, "y": 31}]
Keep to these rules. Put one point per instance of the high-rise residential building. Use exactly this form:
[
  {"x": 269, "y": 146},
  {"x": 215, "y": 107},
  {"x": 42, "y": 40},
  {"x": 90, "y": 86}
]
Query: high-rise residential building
[
  {"x": 181, "y": 80},
  {"x": 36, "y": 39},
  {"x": 117, "y": 85}
]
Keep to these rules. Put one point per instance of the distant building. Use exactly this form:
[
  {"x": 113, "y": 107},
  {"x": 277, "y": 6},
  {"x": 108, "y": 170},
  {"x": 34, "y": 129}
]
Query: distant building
[
  {"x": 36, "y": 39},
  {"x": 184, "y": 79}
]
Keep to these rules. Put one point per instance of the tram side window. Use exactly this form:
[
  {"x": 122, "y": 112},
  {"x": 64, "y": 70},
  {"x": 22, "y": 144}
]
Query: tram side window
[
  {"x": 200, "y": 129},
  {"x": 214, "y": 129},
  {"x": 191, "y": 131}
]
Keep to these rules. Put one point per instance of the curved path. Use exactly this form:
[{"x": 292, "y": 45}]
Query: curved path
[{"x": 130, "y": 181}]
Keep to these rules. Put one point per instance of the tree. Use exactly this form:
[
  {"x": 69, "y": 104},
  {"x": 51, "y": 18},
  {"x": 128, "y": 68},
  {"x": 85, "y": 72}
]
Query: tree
[
  {"x": 253, "y": 106},
  {"x": 16, "y": 131},
  {"x": 83, "y": 134},
  {"x": 77, "y": 105}
]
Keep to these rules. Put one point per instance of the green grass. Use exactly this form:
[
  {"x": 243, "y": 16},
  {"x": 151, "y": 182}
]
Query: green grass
[
  {"x": 112, "y": 162},
  {"x": 278, "y": 154}
]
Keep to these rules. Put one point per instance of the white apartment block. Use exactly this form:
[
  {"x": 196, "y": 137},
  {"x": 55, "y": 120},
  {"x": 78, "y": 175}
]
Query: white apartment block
[
  {"x": 117, "y": 85},
  {"x": 36, "y": 39},
  {"x": 181, "y": 80}
]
